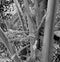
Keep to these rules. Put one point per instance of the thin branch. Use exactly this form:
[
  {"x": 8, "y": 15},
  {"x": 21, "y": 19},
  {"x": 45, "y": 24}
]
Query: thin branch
[
  {"x": 31, "y": 25},
  {"x": 23, "y": 48},
  {"x": 20, "y": 13},
  {"x": 42, "y": 22}
]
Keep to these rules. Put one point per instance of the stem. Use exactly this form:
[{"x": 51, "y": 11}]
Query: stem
[
  {"x": 48, "y": 34},
  {"x": 20, "y": 13}
]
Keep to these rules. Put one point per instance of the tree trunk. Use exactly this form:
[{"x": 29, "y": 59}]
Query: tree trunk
[{"x": 48, "y": 34}]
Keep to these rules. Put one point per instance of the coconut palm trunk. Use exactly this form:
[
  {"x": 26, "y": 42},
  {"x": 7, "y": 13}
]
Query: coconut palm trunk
[{"x": 48, "y": 33}]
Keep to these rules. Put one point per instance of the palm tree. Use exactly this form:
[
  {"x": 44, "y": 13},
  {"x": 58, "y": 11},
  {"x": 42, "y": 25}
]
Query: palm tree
[{"x": 48, "y": 33}]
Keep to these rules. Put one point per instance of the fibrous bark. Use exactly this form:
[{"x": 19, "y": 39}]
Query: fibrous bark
[{"x": 48, "y": 34}]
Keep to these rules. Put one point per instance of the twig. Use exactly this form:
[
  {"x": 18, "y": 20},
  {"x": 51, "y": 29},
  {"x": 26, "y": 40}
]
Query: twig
[
  {"x": 23, "y": 48},
  {"x": 20, "y": 13},
  {"x": 43, "y": 21}
]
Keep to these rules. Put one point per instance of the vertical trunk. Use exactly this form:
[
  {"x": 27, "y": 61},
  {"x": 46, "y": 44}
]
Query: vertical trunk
[{"x": 48, "y": 34}]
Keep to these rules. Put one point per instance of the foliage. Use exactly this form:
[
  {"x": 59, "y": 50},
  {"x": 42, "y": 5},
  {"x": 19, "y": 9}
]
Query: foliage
[{"x": 21, "y": 39}]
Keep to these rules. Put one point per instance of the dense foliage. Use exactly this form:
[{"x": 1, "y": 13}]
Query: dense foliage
[{"x": 22, "y": 22}]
